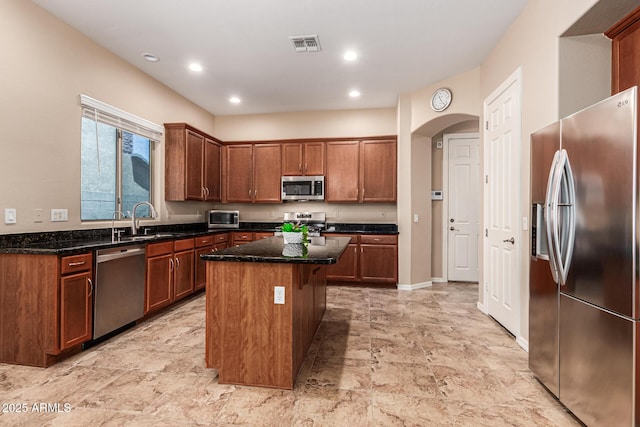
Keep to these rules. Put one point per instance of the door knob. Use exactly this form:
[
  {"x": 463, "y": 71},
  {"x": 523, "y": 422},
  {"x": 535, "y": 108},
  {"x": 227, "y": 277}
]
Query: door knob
[
  {"x": 511, "y": 240},
  {"x": 452, "y": 228},
  {"x": 451, "y": 220}
]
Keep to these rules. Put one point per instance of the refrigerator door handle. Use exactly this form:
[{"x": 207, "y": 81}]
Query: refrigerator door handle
[
  {"x": 569, "y": 232},
  {"x": 563, "y": 230},
  {"x": 549, "y": 217}
]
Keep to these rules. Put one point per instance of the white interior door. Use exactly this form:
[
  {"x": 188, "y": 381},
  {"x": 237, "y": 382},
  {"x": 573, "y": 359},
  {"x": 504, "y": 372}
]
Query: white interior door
[
  {"x": 463, "y": 189},
  {"x": 502, "y": 201}
]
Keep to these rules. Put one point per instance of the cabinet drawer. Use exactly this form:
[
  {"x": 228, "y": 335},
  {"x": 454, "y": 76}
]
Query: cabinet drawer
[
  {"x": 263, "y": 235},
  {"x": 76, "y": 263},
  {"x": 183, "y": 245},
  {"x": 247, "y": 237},
  {"x": 156, "y": 249},
  {"x": 354, "y": 237},
  {"x": 205, "y": 241},
  {"x": 379, "y": 239},
  {"x": 220, "y": 238}
]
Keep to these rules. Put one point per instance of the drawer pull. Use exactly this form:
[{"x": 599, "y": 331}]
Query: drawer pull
[{"x": 75, "y": 264}]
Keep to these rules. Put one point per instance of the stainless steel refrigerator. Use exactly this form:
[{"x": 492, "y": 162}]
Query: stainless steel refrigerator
[{"x": 584, "y": 274}]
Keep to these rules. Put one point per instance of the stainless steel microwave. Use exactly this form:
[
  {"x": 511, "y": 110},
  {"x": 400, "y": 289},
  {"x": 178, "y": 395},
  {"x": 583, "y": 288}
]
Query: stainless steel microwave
[
  {"x": 223, "y": 219},
  {"x": 303, "y": 188}
]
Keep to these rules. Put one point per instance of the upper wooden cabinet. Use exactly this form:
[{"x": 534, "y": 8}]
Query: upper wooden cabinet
[
  {"x": 252, "y": 173},
  {"x": 192, "y": 164},
  {"x": 300, "y": 158},
  {"x": 625, "y": 49},
  {"x": 361, "y": 171}
]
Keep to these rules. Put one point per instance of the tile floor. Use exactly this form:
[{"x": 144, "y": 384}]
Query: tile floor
[{"x": 380, "y": 358}]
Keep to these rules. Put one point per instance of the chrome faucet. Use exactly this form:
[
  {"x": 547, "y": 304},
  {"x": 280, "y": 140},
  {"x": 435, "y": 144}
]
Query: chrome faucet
[{"x": 134, "y": 224}]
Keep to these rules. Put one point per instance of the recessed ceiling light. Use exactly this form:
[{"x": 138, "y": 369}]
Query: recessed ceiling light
[
  {"x": 350, "y": 55},
  {"x": 354, "y": 93},
  {"x": 234, "y": 100},
  {"x": 150, "y": 57},
  {"x": 194, "y": 66}
]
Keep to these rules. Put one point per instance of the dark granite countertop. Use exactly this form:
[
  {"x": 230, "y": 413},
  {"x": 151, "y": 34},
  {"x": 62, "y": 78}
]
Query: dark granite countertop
[
  {"x": 319, "y": 251},
  {"x": 357, "y": 228},
  {"x": 79, "y": 241}
]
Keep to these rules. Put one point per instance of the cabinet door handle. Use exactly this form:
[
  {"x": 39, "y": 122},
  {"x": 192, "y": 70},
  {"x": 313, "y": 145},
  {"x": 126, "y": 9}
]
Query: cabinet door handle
[
  {"x": 306, "y": 167},
  {"x": 300, "y": 167},
  {"x": 177, "y": 263},
  {"x": 170, "y": 264},
  {"x": 75, "y": 264},
  {"x": 90, "y": 286}
]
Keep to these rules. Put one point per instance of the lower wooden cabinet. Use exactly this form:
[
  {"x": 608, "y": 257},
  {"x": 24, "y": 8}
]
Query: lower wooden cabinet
[
  {"x": 76, "y": 296},
  {"x": 346, "y": 269},
  {"x": 46, "y": 306},
  {"x": 206, "y": 245},
  {"x": 369, "y": 258},
  {"x": 242, "y": 237},
  {"x": 170, "y": 273}
]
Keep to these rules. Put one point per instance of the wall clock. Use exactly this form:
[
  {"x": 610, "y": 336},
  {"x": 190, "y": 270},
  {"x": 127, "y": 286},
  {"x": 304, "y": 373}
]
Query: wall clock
[{"x": 441, "y": 99}]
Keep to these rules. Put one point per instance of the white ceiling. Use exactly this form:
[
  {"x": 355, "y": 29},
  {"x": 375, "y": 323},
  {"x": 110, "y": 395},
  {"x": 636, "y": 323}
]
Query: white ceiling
[{"x": 244, "y": 46}]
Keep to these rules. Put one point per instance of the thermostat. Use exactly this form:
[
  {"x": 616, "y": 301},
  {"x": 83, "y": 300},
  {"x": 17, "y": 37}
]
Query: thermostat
[{"x": 436, "y": 195}]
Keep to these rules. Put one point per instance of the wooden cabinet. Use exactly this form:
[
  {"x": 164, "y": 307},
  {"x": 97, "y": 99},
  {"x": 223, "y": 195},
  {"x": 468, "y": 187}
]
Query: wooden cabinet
[
  {"x": 361, "y": 171},
  {"x": 242, "y": 237},
  {"x": 238, "y": 169},
  {"x": 159, "y": 277},
  {"x": 378, "y": 258},
  {"x": 369, "y": 258},
  {"x": 252, "y": 173},
  {"x": 303, "y": 158},
  {"x": 170, "y": 273},
  {"x": 76, "y": 289},
  {"x": 346, "y": 269},
  {"x": 378, "y": 171},
  {"x": 205, "y": 245},
  {"x": 46, "y": 306},
  {"x": 183, "y": 268},
  {"x": 192, "y": 164},
  {"x": 625, "y": 49},
  {"x": 342, "y": 179}
]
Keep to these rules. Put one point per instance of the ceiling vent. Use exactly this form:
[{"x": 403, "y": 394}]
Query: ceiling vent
[{"x": 305, "y": 43}]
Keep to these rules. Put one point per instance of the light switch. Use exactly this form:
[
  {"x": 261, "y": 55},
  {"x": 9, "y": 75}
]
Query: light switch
[
  {"x": 10, "y": 215},
  {"x": 416, "y": 217}
]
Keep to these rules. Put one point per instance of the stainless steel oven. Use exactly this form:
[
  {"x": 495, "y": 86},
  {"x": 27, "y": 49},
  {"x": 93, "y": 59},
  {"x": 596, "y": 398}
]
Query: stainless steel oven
[{"x": 223, "y": 219}]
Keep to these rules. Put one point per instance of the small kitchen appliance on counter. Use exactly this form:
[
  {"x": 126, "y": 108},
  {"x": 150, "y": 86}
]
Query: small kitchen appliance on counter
[{"x": 223, "y": 219}]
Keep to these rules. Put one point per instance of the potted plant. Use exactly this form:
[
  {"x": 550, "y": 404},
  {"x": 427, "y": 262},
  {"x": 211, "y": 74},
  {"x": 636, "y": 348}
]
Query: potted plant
[{"x": 294, "y": 233}]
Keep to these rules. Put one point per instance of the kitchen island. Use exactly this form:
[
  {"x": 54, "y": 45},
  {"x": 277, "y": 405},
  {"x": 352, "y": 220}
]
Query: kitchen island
[{"x": 264, "y": 303}]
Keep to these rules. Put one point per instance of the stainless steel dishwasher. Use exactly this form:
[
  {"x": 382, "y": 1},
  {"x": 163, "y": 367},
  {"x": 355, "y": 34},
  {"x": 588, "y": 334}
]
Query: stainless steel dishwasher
[{"x": 119, "y": 289}]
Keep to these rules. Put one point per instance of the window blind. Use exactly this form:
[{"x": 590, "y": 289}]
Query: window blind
[{"x": 113, "y": 116}]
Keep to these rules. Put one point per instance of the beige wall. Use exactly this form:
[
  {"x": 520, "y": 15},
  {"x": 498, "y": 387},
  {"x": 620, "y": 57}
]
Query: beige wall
[
  {"x": 307, "y": 124},
  {"x": 45, "y": 66},
  {"x": 417, "y": 125}
]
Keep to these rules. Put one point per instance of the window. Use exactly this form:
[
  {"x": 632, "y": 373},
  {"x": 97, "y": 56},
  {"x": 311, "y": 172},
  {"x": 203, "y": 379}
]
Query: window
[{"x": 117, "y": 162}]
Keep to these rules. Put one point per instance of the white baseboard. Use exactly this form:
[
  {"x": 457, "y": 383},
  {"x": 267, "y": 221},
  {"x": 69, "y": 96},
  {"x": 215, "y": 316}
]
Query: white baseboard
[
  {"x": 482, "y": 308},
  {"x": 414, "y": 286},
  {"x": 523, "y": 343},
  {"x": 438, "y": 280}
]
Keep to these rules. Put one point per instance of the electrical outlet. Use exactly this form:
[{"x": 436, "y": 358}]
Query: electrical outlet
[
  {"x": 59, "y": 215},
  {"x": 38, "y": 215},
  {"x": 278, "y": 294}
]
